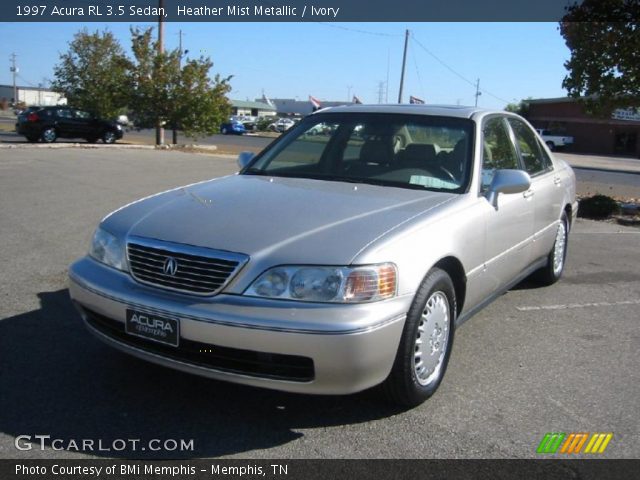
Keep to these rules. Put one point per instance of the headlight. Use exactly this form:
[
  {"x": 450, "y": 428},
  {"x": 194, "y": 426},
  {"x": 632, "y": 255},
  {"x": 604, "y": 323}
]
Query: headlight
[
  {"x": 107, "y": 249},
  {"x": 327, "y": 284}
]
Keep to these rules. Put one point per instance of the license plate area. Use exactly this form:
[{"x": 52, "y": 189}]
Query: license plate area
[{"x": 156, "y": 328}]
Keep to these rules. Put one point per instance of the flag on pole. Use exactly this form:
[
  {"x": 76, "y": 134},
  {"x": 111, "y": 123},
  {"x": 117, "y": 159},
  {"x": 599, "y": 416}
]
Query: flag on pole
[
  {"x": 267, "y": 100},
  {"x": 416, "y": 100},
  {"x": 314, "y": 101},
  {"x": 356, "y": 100}
]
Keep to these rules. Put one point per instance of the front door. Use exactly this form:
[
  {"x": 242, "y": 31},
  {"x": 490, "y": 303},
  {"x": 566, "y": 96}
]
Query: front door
[{"x": 509, "y": 229}]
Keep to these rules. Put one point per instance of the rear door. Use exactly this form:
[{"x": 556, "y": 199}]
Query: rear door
[
  {"x": 64, "y": 122},
  {"x": 546, "y": 187},
  {"x": 83, "y": 124}
]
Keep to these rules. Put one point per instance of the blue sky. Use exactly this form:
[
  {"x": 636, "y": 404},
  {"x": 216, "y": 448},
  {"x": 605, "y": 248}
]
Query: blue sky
[{"x": 336, "y": 61}]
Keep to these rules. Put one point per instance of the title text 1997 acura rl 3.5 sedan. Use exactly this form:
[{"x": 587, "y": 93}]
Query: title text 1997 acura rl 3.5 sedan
[{"x": 333, "y": 262}]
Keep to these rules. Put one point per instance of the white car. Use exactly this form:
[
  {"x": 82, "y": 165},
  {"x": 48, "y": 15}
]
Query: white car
[{"x": 282, "y": 125}]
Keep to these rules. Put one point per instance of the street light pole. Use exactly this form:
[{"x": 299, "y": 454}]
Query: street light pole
[{"x": 159, "y": 129}]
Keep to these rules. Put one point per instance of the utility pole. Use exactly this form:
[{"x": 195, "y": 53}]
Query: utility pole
[
  {"x": 174, "y": 139},
  {"x": 380, "y": 91},
  {"x": 478, "y": 92},
  {"x": 14, "y": 71},
  {"x": 404, "y": 64},
  {"x": 159, "y": 128}
]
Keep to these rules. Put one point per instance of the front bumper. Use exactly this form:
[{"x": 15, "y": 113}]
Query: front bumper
[{"x": 341, "y": 348}]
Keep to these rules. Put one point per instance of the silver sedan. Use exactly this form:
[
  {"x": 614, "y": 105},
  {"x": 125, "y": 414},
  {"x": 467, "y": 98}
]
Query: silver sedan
[{"x": 341, "y": 257}]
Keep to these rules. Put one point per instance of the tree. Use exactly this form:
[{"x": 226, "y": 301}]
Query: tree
[
  {"x": 604, "y": 39},
  {"x": 182, "y": 97},
  {"x": 94, "y": 73},
  {"x": 521, "y": 108}
]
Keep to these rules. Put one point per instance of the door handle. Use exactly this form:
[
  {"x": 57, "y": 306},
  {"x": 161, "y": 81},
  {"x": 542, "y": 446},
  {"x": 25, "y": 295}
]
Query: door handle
[{"x": 528, "y": 194}]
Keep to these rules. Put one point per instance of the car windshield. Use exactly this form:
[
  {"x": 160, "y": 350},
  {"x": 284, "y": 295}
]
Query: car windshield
[{"x": 407, "y": 151}]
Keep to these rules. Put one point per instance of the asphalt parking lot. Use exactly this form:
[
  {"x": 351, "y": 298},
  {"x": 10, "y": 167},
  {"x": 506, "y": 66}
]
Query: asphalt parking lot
[{"x": 537, "y": 360}]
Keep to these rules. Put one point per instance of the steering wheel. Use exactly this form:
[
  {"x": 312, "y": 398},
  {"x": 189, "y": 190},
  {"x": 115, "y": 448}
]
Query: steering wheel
[{"x": 447, "y": 174}]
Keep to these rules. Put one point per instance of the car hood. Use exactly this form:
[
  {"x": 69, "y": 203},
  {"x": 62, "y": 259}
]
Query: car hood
[{"x": 287, "y": 220}]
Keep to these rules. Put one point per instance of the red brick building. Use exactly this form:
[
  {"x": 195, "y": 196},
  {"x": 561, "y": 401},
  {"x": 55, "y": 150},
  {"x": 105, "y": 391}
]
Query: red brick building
[{"x": 618, "y": 135}]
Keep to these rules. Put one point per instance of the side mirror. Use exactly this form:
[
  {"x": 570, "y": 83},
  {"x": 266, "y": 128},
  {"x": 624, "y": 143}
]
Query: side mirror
[
  {"x": 245, "y": 158},
  {"x": 507, "y": 181}
]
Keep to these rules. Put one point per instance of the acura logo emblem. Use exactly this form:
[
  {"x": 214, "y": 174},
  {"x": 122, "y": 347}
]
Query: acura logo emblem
[{"x": 170, "y": 266}]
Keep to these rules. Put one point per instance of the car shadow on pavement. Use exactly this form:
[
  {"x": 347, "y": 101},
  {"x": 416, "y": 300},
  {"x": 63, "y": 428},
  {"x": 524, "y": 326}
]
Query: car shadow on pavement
[{"x": 56, "y": 379}]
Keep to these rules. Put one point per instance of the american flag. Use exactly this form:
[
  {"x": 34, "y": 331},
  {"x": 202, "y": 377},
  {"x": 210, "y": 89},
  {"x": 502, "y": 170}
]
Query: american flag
[
  {"x": 356, "y": 100},
  {"x": 416, "y": 100},
  {"x": 314, "y": 101}
]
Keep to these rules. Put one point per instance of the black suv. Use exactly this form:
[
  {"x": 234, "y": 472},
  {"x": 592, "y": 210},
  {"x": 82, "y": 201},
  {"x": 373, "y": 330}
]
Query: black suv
[{"x": 50, "y": 123}]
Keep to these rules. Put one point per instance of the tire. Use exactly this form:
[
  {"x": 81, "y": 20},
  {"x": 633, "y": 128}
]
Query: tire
[
  {"x": 109, "y": 137},
  {"x": 49, "y": 135},
  {"x": 551, "y": 273},
  {"x": 551, "y": 145},
  {"x": 434, "y": 308},
  {"x": 224, "y": 130}
]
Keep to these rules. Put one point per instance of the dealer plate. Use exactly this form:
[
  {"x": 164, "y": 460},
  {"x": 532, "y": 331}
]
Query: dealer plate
[{"x": 153, "y": 327}]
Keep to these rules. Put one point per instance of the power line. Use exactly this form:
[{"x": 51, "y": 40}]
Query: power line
[
  {"x": 357, "y": 30},
  {"x": 452, "y": 70},
  {"x": 415, "y": 63}
]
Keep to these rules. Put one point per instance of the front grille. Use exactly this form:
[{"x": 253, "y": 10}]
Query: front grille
[
  {"x": 197, "y": 270},
  {"x": 233, "y": 360}
]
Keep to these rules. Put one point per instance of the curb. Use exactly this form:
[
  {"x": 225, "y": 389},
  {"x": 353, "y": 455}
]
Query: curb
[
  {"x": 74, "y": 145},
  {"x": 117, "y": 146}
]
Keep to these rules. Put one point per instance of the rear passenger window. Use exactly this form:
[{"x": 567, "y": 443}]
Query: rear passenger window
[
  {"x": 498, "y": 151},
  {"x": 64, "y": 113},
  {"x": 532, "y": 157}
]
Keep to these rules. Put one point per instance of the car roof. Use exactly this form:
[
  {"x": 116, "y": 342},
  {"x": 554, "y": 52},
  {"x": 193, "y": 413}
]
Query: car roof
[{"x": 414, "y": 109}]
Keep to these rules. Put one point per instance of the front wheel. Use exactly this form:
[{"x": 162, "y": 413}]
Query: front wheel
[
  {"x": 425, "y": 345},
  {"x": 551, "y": 273},
  {"x": 109, "y": 137}
]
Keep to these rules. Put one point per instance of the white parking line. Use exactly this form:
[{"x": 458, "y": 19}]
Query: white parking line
[{"x": 578, "y": 305}]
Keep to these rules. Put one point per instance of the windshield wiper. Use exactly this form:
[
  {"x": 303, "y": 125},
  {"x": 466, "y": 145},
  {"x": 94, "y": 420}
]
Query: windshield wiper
[{"x": 254, "y": 171}]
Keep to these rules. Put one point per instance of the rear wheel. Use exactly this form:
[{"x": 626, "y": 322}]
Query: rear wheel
[
  {"x": 425, "y": 345},
  {"x": 551, "y": 273},
  {"x": 49, "y": 135}
]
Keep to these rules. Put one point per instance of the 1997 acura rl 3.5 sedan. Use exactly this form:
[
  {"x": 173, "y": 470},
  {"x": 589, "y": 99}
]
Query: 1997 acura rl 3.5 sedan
[{"x": 333, "y": 262}]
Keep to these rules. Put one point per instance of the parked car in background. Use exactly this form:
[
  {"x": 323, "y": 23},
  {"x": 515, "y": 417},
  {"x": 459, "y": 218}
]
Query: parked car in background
[
  {"x": 282, "y": 125},
  {"x": 333, "y": 263},
  {"x": 249, "y": 123},
  {"x": 553, "y": 140},
  {"x": 232, "y": 127},
  {"x": 50, "y": 123}
]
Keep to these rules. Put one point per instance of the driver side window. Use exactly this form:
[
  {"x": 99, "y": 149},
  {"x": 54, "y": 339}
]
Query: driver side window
[{"x": 498, "y": 151}]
